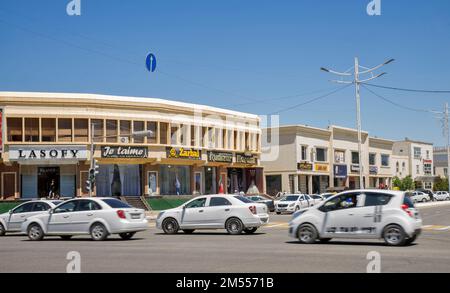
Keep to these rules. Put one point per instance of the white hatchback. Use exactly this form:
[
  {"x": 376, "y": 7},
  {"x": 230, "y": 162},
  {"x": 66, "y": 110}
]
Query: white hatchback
[
  {"x": 95, "y": 216},
  {"x": 366, "y": 214},
  {"x": 234, "y": 213},
  {"x": 442, "y": 195},
  {"x": 12, "y": 220}
]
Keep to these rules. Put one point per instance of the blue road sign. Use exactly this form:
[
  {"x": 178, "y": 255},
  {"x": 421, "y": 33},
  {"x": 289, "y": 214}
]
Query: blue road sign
[{"x": 150, "y": 62}]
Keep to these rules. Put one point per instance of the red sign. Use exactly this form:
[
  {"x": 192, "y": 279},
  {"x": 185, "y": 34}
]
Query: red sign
[{"x": 428, "y": 161}]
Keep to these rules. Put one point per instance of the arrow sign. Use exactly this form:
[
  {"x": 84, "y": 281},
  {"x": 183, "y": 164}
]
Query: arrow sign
[{"x": 150, "y": 62}]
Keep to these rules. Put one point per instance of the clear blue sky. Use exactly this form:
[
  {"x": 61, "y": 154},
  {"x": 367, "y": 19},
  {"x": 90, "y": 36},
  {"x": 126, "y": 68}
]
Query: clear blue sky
[{"x": 231, "y": 53}]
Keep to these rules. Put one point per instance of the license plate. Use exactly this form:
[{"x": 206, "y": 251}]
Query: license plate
[{"x": 135, "y": 216}]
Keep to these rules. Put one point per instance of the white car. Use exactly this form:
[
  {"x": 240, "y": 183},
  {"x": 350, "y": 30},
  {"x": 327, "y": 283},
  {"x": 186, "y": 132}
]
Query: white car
[
  {"x": 95, "y": 216},
  {"x": 316, "y": 198},
  {"x": 12, "y": 220},
  {"x": 419, "y": 196},
  {"x": 365, "y": 214},
  {"x": 235, "y": 213},
  {"x": 293, "y": 202},
  {"x": 442, "y": 195}
]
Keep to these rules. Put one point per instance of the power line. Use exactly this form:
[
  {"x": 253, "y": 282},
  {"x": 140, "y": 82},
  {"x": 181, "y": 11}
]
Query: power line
[
  {"x": 394, "y": 103},
  {"x": 409, "y": 90},
  {"x": 310, "y": 101}
]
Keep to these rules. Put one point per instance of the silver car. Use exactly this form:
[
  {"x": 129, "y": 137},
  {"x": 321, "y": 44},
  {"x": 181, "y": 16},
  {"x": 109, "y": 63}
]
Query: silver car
[
  {"x": 95, "y": 216},
  {"x": 12, "y": 220}
]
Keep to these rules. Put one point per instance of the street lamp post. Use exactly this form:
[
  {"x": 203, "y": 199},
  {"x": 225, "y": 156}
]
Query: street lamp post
[{"x": 356, "y": 81}]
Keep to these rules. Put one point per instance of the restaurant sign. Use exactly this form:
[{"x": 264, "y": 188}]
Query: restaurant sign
[
  {"x": 183, "y": 153},
  {"x": 304, "y": 166},
  {"x": 124, "y": 152},
  {"x": 321, "y": 167},
  {"x": 245, "y": 159},
  {"x": 221, "y": 157}
]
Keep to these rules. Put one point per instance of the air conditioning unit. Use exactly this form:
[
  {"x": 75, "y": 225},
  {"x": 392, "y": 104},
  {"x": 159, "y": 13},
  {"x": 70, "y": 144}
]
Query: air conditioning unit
[{"x": 124, "y": 140}]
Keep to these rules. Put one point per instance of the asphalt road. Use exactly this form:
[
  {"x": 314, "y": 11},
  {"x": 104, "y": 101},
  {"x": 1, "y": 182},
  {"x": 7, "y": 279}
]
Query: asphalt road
[{"x": 270, "y": 250}]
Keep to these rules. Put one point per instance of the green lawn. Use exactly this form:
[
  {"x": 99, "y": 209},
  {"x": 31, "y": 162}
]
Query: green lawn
[
  {"x": 6, "y": 206},
  {"x": 158, "y": 204}
]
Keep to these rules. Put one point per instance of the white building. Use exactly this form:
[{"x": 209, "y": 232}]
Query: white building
[
  {"x": 420, "y": 161},
  {"x": 440, "y": 161}
]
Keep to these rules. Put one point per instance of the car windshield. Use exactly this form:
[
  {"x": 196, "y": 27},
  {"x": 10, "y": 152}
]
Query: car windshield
[
  {"x": 243, "y": 199},
  {"x": 290, "y": 198},
  {"x": 255, "y": 198},
  {"x": 115, "y": 203}
]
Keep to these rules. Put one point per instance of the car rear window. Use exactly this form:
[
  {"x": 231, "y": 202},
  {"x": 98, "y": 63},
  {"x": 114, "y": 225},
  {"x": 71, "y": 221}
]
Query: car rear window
[
  {"x": 115, "y": 203},
  {"x": 407, "y": 201},
  {"x": 243, "y": 199}
]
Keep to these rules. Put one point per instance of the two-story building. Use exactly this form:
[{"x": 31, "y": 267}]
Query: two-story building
[{"x": 186, "y": 148}]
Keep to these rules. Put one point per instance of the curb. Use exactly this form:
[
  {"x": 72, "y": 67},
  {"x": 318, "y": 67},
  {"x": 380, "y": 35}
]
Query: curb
[{"x": 432, "y": 204}]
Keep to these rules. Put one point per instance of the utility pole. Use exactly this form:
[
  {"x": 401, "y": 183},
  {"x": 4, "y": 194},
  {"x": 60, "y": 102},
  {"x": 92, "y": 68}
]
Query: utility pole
[
  {"x": 357, "y": 81},
  {"x": 91, "y": 185},
  {"x": 447, "y": 137}
]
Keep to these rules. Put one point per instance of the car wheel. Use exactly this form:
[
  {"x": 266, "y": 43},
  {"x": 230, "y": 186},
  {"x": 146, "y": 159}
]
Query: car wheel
[
  {"x": 307, "y": 234},
  {"x": 35, "y": 232},
  {"x": 394, "y": 235},
  {"x": 66, "y": 237},
  {"x": 278, "y": 213},
  {"x": 98, "y": 232},
  {"x": 250, "y": 230},
  {"x": 2, "y": 230},
  {"x": 410, "y": 240},
  {"x": 424, "y": 200},
  {"x": 188, "y": 231},
  {"x": 127, "y": 236},
  {"x": 234, "y": 226},
  {"x": 170, "y": 226},
  {"x": 324, "y": 240}
]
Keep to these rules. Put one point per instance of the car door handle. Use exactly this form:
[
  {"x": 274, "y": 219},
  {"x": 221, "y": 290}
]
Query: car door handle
[
  {"x": 351, "y": 214},
  {"x": 23, "y": 216},
  {"x": 227, "y": 210},
  {"x": 200, "y": 211},
  {"x": 65, "y": 217},
  {"x": 368, "y": 215},
  {"x": 89, "y": 215}
]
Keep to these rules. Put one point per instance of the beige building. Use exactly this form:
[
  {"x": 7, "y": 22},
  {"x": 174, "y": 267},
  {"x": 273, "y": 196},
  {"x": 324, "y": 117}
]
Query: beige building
[
  {"x": 187, "y": 148},
  {"x": 440, "y": 157}
]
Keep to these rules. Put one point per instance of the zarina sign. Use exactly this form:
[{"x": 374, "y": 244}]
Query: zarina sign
[
  {"x": 47, "y": 153},
  {"x": 124, "y": 152},
  {"x": 221, "y": 157},
  {"x": 183, "y": 153}
]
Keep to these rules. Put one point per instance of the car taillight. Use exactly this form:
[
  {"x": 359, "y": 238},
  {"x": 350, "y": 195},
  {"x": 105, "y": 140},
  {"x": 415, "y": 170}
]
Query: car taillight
[
  {"x": 121, "y": 214},
  {"x": 406, "y": 209},
  {"x": 252, "y": 209}
]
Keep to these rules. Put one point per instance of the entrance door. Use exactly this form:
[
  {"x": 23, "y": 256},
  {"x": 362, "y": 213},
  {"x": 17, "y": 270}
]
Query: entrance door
[
  {"x": 8, "y": 185},
  {"x": 48, "y": 181}
]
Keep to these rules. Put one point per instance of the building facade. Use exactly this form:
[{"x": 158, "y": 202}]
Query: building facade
[
  {"x": 314, "y": 160},
  {"x": 143, "y": 146},
  {"x": 440, "y": 157},
  {"x": 420, "y": 161}
]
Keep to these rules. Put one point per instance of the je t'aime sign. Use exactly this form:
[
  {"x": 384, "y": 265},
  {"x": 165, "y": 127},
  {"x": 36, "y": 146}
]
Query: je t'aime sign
[{"x": 124, "y": 152}]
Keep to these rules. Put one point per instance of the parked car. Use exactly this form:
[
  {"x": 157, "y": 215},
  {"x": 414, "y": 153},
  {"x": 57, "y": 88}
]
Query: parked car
[
  {"x": 235, "y": 213},
  {"x": 418, "y": 196},
  {"x": 428, "y": 192},
  {"x": 364, "y": 214},
  {"x": 442, "y": 195},
  {"x": 261, "y": 199},
  {"x": 293, "y": 202},
  {"x": 327, "y": 194},
  {"x": 98, "y": 217},
  {"x": 12, "y": 220},
  {"x": 317, "y": 198}
]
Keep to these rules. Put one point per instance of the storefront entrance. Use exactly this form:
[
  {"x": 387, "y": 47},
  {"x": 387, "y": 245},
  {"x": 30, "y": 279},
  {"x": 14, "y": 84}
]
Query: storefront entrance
[
  {"x": 247, "y": 180},
  {"x": 48, "y": 181},
  {"x": 119, "y": 180}
]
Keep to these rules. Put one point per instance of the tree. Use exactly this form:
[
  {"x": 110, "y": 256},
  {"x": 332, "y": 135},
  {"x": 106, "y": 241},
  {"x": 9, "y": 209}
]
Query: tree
[
  {"x": 403, "y": 184},
  {"x": 441, "y": 184}
]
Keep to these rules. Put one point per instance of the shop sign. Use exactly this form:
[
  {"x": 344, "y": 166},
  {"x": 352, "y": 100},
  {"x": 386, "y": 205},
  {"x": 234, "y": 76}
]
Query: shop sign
[
  {"x": 340, "y": 171},
  {"x": 124, "y": 152},
  {"x": 222, "y": 157},
  {"x": 184, "y": 153},
  {"x": 427, "y": 161},
  {"x": 321, "y": 167},
  {"x": 354, "y": 168},
  {"x": 1, "y": 130},
  {"x": 18, "y": 153},
  {"x": 304, "y": 166},
  {"x": 373, "y": 169},
  {"x": 245, "y": 159}
]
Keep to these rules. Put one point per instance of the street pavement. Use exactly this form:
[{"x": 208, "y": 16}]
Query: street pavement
[{"x": 268, "y": 250}]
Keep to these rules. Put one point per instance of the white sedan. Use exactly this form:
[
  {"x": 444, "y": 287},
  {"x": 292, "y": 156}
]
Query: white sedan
[
  {"x": 419, "y": 196},
  {"x": 234, "y": 213},
  {"x": 12, "y": 220},
  {"x": 293, "y": 202},
  {"x": 442, "y": 195},
  {"x": 95, "y": 216}
]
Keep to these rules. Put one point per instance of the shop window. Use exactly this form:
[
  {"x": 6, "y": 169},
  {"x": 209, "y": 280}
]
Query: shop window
[
  {"x": 65, "y": 129},
  {"x": 111, "y": 131},
  {"x": 31, "y": 129},
  {"x": 163, "y": 132},
  {"x": 273, "y": 184},
  {"x": 372, "y": 159},
  {"x": 48, "y": 126},
  {"x": 175, "y": 180},
  {"x": 98, "y": 130},
  {"x": 210, "y": 180},
  {"x": 417, "y": 153},
  {"x": 125, "y": 129},
  {"x": 138, "y": 126},
  {"x": 339, "y": 156},
  {"x": 14, "y": 129},
  {"x": 81, "y": 130},
  {"x": 152, "y": 126},
  {"x": 174, "y": 134}
]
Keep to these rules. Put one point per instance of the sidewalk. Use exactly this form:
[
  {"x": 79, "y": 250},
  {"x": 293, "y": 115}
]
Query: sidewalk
[{"x": 432, "y": 204}]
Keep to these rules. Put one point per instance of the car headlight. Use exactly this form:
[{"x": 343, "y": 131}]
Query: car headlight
[{"x": 291, "y": 205}]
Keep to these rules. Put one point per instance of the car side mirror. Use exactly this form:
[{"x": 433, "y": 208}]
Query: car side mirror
[
  {"x": 184, "y": 207},
  {"x": 10, "y": 212},
  {"x": 50, "y": 211}
]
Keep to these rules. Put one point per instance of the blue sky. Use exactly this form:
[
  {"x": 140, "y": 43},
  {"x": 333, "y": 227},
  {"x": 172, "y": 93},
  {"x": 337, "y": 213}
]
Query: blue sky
[{"x": 241, "y": 55}]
